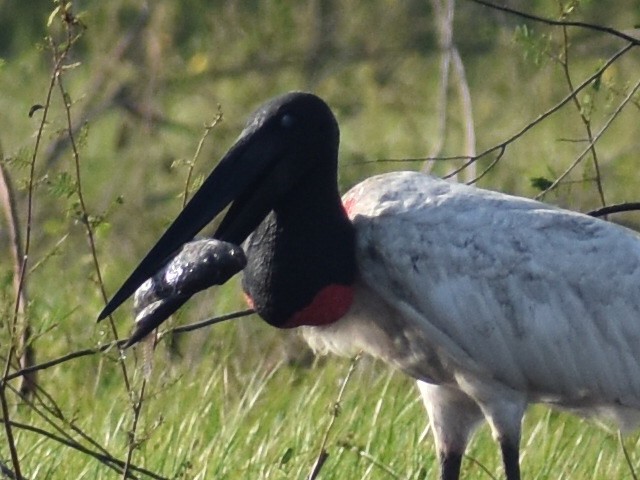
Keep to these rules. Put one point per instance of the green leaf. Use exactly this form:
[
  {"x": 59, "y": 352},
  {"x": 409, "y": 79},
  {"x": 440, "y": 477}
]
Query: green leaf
[
  {"x": 596, "y": 83},
  {"x": 540, "y": 183},
  {"x": 288, "y": 455},
  {"x": 53, "y": 14}
]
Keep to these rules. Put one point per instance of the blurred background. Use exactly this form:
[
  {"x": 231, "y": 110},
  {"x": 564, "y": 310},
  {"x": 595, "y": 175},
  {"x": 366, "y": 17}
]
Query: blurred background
[{"x": 407, "y": 81}]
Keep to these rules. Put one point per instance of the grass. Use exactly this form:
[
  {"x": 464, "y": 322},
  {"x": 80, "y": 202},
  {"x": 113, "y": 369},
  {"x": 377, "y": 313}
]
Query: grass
[
  {"x": 233, "y": 402},
  {"x": 227, "y": 416}
]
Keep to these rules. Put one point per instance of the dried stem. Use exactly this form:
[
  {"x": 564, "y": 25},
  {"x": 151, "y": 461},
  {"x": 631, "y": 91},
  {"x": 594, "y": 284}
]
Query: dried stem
[
  {"x": 59, "y": 59},
  {"x": 562, "y": 23},
  {"x": 108, "y": 460},
  {"x": 25, "y": 350},
  {"x": 500, "y": 148},
  {"x": 119, "y": 343},
  {"x": 564, "y": 61},
  {"x": 335, "y": 411},
  {"x": 207, "y": 129},
  {"x": 596, "y": 137}
]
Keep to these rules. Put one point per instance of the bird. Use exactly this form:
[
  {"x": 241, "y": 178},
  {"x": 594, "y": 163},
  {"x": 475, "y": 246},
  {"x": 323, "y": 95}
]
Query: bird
[{"x": 491, "y": 302}]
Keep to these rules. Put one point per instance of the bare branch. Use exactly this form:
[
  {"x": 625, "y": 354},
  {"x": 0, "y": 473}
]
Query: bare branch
[
  {"x": 561, "y": 23},
  {"x": 323, "y": 454},
  {"x": 107, "y": 460},
  {"x": 586, "y": 121},
  {"x": 207, "y": 129},
  {"x": 443, "y": 17},
  {"x": 617, "y": 208},
  {"x": 604, "y": 128},
  {"x": 119, "y": 343},
  {"x": 26, "y": 351},
  {"x": 7, "y": 472},
  {"x": 501, "y": 147}
]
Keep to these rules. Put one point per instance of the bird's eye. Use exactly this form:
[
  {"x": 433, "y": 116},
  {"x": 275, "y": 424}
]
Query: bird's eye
[{"x": 287, "y": 120}]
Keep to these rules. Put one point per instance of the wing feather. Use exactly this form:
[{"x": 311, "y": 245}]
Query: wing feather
[{"x": 541, "y": 299}]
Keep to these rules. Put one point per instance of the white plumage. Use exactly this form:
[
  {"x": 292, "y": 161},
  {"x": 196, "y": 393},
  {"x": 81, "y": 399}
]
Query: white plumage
[
  {"x": 494, "y": 301},
  {"x": 491, "y": 302}
]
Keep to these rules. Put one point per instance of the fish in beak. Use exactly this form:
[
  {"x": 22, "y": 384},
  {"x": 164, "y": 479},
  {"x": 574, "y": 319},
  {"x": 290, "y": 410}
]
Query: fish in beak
[{"x": 268, "y": 158}]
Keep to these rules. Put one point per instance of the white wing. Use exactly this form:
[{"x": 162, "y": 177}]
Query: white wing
[{"x": 539, "y": 299}]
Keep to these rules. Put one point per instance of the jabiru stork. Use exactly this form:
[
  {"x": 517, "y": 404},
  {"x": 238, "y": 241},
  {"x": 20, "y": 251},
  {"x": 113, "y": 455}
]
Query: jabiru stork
[{"x": 491, "y": 301}]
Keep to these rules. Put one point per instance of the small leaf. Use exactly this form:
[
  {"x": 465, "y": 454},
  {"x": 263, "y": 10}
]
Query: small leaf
[
  {"x": 53, "y": 15},
  {"x": 288, "y": 455},
  {"x": 34, "y": 109},
  {"x": 597, "y": 82},
  {"x": 540, "y": 183},
  {"x": 62, "y": 185}
]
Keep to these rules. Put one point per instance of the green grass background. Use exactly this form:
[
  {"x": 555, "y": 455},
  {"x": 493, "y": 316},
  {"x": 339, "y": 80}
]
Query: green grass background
[{"x": 242, "y": 400}]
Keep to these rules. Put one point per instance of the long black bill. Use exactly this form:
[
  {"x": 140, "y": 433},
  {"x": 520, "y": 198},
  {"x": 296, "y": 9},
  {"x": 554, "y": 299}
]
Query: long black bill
[{"x": 239, "y": 170}]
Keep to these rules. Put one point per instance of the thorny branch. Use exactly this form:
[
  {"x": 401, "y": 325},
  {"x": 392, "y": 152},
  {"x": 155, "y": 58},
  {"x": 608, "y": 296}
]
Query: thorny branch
[{"x": 617, "y": 208}]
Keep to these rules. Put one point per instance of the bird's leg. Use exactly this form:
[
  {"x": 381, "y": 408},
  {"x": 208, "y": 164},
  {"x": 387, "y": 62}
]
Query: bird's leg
[
  {"x": 453, "y": 416},
  {"x": 511, "y": 460},
  {"x": 503, "y": 408},
  {"x": 505, "y": 418},
  {"x": 450, "y": 465}
]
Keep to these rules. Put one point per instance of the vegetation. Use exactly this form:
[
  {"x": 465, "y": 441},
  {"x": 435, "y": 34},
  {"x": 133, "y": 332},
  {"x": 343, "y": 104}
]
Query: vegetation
[{"x": 104, "y": 105}]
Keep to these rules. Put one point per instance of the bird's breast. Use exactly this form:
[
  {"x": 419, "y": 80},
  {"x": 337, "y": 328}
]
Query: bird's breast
[{"x": 373, "y": 326}]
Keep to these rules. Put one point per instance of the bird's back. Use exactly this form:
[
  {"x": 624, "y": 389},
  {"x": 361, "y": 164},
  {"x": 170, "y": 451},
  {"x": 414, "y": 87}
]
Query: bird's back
[{"x": 541, "y": 300}]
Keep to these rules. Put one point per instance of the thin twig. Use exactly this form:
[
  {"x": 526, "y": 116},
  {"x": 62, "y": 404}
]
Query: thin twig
[
  {"x": 500, "y": 147},
  {"x": 85, "y": 214},
  {"x": 119, "y": 343},
  {"x": 207, "y": 129},
  {"x": 26, "y": 351},
  {"x": 323, "y": 454},
  {"x": 8, "y": 473},
  {"x": 585, "y": 121},
  {"x": 133, "y": 443},
  {"x": 617, "y": 208},
  {"x": 105, "y": 459},
  {"x": 562, "y": 23},
  {"x": 604, "y": 128},
  {"x": 84, "y": 211},
  {"x": 493, "y": 163},
  {"x": 56, "y": 412},
  {"x": 59, "y": 59}
]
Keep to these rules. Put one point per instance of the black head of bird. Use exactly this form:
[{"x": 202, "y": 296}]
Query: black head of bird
[{"x": 285, "y": 162}]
